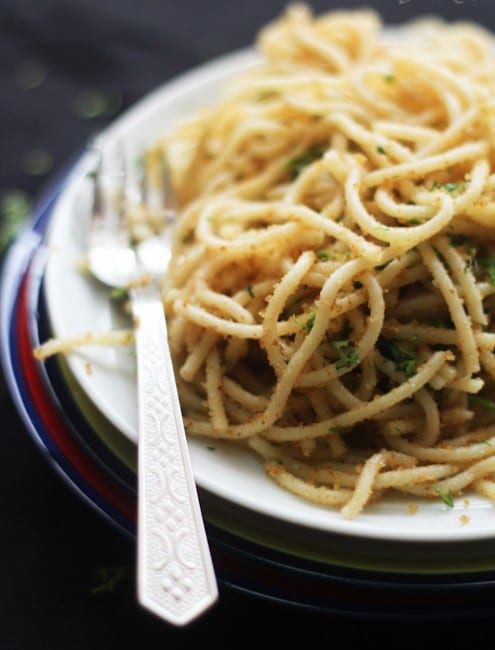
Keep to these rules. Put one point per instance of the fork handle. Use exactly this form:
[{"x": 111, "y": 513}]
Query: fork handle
[{"x": 175, "y": 574}]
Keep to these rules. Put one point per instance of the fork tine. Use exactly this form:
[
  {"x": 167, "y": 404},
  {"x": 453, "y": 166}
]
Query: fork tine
[
  {"x": 147, "y": 194},
  {"x": 133, "y": 180},
  {"x": 159, "y": 195},
  {"x": 108, "y": 233},
  {"x": 135, "y": 199},
  {"x": 153, "y": 251},
  {"x": 97, "y": 206},
  {"x": 128, "y": 217},
  {"x": 107, "y": 212}
]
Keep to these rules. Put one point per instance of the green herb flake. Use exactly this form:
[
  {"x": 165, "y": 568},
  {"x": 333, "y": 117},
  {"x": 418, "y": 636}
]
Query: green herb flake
[
  {"x": 323, "y": 255},
  {"x": 405, "y": 360},
  {"x": 449, "y": 187},
  {"x": 389, "y": 78},
  {"x": 488, "y": 264},
  {"x": 447, "y": 497},
  {"x": 108, "y": 578},
  {"x": 415, "y": 222},
  {"x": 296, "y": 165},
  {"x": 308, "y": 325},
  {"x": 15, "y": 208},
  {"x": 452, "y": 187},
  {"x": 471, "y": 263},
  {"x": 490, "y": 270},
  {"x": 119, "y": 293},
  {"x": 37, "y": 162},
  {"x": 381, "y": 150},
  {"x": 347, "y": 354},
  {"x": 250, "y": 291},
  {"x": 92, "y": 103},
  {"x": 482, "y": 401}
]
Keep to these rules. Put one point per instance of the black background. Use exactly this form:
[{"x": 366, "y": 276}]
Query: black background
[{"x": 52, "y": 546}]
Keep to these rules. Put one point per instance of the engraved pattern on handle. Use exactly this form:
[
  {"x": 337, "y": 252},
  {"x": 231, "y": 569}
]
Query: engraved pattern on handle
[{"x": 176, "y": 579}]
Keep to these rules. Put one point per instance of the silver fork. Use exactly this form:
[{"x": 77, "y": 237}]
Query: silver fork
[{"x": 175, "y": 573}]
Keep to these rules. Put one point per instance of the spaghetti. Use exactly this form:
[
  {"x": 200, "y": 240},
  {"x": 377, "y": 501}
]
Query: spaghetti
[{"x": 332, "y": 283}]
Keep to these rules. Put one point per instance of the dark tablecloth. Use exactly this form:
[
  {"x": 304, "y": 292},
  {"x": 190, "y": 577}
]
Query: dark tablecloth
[{"x": 67, "y": 67}]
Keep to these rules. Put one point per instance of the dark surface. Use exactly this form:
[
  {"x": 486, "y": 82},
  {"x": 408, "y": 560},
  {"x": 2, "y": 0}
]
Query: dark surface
[{"x": 53, "y": 547}]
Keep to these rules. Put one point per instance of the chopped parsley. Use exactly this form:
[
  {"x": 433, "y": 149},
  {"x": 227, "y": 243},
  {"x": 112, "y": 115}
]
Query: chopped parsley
[
  {"x": 15, "y": 208},
  {"x": 296, "y": 165},
  {"x": 322, "y": 255},
  {"x": 482, "y": 401},
  {"x": 449, "y": 187},
  {"x": 119, "y": 293},
  {"x": 452, "y": 187},
  {"x": 488, "y": 264},
  {"x": 405, "y": 360},
  {"x": 308, "y": 325},
  {"x": 447, "y": 497},
  {"x": 94, "y": 103},
  {"x": 108, "y": 578},
  {"x": 381, "y": 150},
  {"x": 347, "y": 354},
  {"x": 250, "y": 291}
]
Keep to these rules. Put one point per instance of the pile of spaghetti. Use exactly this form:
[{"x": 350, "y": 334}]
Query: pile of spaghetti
[{"x": 332, "y": 283}]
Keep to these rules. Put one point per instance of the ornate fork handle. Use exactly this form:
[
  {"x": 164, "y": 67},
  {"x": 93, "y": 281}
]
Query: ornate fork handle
[{"x": 175, "y": 575}]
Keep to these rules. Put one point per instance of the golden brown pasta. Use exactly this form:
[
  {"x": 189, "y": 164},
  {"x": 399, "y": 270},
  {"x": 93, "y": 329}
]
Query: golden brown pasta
[
  {"x": 335, "y": 260},
  {"x": 332, "y": 283}
]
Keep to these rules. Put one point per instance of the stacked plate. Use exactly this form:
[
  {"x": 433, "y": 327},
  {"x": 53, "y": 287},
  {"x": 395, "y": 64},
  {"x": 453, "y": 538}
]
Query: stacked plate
[{"x": 81, "y": 411}]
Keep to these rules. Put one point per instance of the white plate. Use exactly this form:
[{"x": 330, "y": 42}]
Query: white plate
[{"x": 76, "y": 305}]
